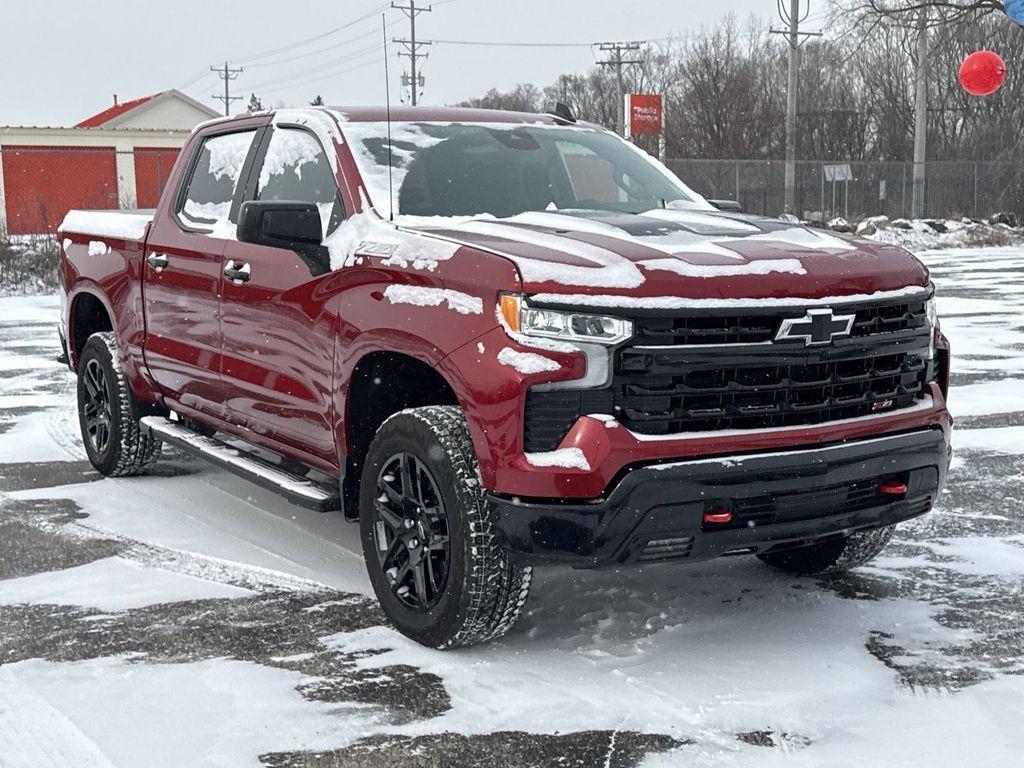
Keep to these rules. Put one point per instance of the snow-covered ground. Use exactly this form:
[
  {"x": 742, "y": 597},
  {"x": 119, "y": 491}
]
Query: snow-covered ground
[{"x": 188, "y": 618}]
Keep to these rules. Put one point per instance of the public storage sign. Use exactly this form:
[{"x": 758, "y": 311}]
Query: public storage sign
[{"x": 644, "y": 110}]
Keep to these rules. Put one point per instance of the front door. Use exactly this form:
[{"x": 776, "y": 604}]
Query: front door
[
  {"x": 182, "y": 268},
  {"x": 278, "y": 337}
]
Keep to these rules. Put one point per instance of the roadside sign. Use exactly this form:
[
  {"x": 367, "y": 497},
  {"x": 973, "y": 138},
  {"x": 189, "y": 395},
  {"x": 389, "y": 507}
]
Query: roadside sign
[
  {"x": 644, "y": 113},
  {"x": 838, "y": 172}
]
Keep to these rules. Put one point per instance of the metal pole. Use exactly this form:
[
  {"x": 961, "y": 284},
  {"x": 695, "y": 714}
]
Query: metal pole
[
  {"x": 791, "y": 104},
  {"x": 920, "y": 118},
  {"x": 822, "y": 209},
  {"x": 975, "y": 189}
]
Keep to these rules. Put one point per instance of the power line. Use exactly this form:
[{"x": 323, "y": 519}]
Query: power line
[
  {"x": 617, "y": 62},
  {"x": 412, "y": 48},
  {"x": 313, "y": 39},
  {"x": 375, "y": 48},
  {"x": 227, "y": 75},
  {"x": 320, "y": 77},
  {"x": 329, "y": 48}
]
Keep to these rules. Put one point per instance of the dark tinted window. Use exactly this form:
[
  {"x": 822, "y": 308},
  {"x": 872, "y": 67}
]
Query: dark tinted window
[
  {"x": 215, "y": 178},
  {"x": 296, "y": 169}
]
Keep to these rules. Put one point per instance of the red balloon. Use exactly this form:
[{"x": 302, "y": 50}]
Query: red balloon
[{"x": 983, "y": 73}]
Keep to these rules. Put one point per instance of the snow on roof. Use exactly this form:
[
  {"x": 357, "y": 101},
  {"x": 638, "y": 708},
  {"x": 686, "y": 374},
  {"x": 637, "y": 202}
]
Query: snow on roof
[{"x": 108, "y": 114}]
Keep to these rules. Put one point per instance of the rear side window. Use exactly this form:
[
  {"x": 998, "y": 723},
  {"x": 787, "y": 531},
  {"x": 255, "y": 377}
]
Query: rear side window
[
  {"x": 296, "y": 169},
  {"x": 214, "y": 179}
]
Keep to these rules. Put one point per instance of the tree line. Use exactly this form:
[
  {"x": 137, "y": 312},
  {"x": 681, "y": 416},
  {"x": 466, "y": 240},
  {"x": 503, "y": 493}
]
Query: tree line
[{"x": 725, "y": 92}]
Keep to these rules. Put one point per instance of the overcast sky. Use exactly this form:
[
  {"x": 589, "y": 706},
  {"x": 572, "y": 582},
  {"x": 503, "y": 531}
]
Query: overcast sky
[{"x": 63, "y": 60}]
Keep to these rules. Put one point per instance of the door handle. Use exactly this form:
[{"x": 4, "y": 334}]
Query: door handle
[
  {"x": 157, "y": 261},
  {"x": 237, "y": 273}
]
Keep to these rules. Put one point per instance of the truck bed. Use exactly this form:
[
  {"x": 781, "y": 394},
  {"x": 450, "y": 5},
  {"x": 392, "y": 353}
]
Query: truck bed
[{"x": 120, "y": 224}]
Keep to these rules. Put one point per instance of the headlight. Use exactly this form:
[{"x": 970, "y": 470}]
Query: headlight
[{"x": 568, "y": 326}]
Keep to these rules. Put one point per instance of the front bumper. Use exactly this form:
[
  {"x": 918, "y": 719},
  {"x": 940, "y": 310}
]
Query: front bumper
[{"x": 781, "y": 498}]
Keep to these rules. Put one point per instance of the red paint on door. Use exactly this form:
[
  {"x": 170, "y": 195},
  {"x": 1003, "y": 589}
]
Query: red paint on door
[{"x": 41, "y": 184}]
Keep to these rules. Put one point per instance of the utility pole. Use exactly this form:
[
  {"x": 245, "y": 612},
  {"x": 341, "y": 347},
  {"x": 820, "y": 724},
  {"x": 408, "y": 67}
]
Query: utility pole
[
  {"x": 917, "y": 201},
  {"x": 412, "y": 48},
  {"x": 792, "y": 18},
  {"x": 617, "y": 62},
  {"x": 227, "y": 75}
]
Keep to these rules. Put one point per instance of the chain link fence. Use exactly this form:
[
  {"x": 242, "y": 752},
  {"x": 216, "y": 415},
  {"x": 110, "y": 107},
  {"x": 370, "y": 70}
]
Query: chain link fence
[{"x": 856, "y": 189}]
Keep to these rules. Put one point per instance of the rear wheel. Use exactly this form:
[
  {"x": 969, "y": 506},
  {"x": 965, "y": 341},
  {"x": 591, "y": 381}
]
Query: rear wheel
[
  {"x": 831, "y": 556},
  {"x": 436, "y": 567},
  {"x": 109, "y": 413}
]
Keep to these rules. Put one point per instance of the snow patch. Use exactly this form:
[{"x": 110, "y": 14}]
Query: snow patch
[
  {"x": 422, "y": 296},
  {"x": 756, "y": 267},
  {"x": 98, "y": 248},
  {"x": 120, "y": 224},
  {"x": 565, "y": 458},
  {"x": 526, "y": 362},
  {"x": 112, "y": 584},
  {"x": 367, "y": 233},
  {"x": 606, "y": 268},
  {"x": 676, "y": 302}
]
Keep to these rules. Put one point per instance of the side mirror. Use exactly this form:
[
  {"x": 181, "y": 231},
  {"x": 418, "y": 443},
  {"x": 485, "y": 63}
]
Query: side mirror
[
  {"x": 730, "y": 206},
  {"x": 281, "y": 224}
]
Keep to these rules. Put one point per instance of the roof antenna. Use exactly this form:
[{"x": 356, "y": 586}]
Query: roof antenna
[{"x": 387, "y": 103}]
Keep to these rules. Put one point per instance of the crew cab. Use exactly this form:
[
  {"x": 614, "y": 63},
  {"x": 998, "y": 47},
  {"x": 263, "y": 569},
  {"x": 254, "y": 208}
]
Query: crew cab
[{"x": 501, "y": 340}]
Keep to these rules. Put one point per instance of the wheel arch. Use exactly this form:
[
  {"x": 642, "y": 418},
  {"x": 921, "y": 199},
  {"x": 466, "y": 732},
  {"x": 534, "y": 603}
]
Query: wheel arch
[
  {"x": 381, "y": 384},
  {"x": 88, "y": 313}
]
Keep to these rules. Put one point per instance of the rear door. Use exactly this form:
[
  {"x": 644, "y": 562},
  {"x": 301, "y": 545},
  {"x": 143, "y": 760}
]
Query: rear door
[
  {"x": 278, "y": 337},
  {"x": 183, "y": 268}
]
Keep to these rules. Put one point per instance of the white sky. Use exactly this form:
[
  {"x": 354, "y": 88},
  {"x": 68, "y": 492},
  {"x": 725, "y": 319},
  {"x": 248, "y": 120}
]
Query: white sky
[{"x": 62, "y": 60}]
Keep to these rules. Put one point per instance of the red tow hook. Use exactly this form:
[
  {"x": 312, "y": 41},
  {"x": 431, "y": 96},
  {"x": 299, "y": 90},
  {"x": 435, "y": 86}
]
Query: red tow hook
[
  {"x": 892, "y": 488},
  {"x": 718, "y": 517}
]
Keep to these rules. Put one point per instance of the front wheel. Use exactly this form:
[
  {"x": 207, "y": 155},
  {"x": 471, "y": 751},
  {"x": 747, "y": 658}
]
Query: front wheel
[
  {"x": 831, "y": 556},
  {"x": 436, "y": 567},
  {"x": 109, "y": 413}
]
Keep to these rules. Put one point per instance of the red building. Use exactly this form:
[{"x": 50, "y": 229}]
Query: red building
[{"x": 118, "y": 158}]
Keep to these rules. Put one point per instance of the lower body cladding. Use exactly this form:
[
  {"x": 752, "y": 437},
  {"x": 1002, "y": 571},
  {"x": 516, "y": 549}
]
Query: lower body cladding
[{"x": 749, "y": 504}]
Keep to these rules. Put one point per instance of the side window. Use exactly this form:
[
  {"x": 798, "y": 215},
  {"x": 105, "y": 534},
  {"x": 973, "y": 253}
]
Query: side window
[
  {"x": 215, "y": 177},
  {"x": 296, "y": 169}
]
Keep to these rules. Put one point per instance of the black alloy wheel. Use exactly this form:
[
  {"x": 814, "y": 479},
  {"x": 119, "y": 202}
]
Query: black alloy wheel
[
  {"x": 410, "y": 529},
  {"x": 96, "y": 412}
]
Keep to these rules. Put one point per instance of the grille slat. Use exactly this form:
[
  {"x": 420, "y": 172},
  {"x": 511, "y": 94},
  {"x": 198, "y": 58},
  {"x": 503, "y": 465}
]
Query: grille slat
[{"x": 698, "y": 396}]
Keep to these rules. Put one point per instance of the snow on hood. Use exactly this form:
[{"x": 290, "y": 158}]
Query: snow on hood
[{"x": 652, "y": 250}]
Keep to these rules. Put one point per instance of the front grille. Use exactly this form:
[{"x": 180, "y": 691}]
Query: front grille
[
  {"x": 682, "y": 373},
  {"x": 660, "y": 393},
  {"x": 752, "y": 327}
]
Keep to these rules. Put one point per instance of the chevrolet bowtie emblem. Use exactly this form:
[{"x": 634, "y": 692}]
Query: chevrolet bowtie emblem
[{"x": 818, "y": 326}]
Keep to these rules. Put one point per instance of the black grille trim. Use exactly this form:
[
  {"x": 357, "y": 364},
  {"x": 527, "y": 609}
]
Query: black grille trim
[{"x": 757, "y": 327}]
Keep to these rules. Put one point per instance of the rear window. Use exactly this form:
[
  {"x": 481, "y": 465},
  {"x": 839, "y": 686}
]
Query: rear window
[{"x": 214, "y": 179}]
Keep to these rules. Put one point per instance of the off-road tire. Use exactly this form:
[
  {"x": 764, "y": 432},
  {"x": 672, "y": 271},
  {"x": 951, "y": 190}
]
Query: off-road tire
[
  {"x": 831, "y": 556},
  {"x": 130, "y": 448},
  {"x": 484, "y": 593}
]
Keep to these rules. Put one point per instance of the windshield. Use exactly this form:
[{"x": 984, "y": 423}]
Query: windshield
[{"x": 468, "y": 169}]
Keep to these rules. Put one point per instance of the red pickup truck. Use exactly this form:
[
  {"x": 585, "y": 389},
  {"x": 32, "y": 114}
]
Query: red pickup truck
[{"x": 499, "y": 340}]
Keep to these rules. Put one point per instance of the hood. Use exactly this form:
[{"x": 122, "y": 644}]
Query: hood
[{"x": 685, "y": 254}]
